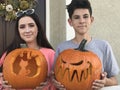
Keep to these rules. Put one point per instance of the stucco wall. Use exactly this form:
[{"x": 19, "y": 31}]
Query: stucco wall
[
  {"x": 57, "y": 22},
  {"x": 107, "y": 23}
]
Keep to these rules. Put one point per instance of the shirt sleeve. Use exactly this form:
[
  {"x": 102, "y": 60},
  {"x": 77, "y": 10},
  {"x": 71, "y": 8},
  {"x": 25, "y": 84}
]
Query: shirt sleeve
[
  {"x": 2, "y": 59},
  {"x": 111, "y": 66},
  {"x": 56, "y": 55}
]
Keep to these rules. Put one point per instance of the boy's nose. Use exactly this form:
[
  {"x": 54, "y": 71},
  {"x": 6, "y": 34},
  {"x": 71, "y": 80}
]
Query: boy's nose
[{"x": 81, "y": 20}]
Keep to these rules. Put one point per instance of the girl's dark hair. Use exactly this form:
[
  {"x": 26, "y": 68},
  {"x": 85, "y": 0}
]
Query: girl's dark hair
[
  {"x": 41, "y": 36},
  {"x": 78, "y": 4}
]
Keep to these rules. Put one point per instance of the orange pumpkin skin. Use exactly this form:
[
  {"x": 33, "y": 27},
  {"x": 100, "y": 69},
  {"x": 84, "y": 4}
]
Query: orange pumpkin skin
[
  {"x": 25, "y": 68},
  {"x": 77, "y": 70}
]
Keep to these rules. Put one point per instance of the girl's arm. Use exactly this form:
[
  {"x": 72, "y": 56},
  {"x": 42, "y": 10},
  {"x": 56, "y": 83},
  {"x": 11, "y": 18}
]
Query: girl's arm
[{"x": 2, "y": 59}]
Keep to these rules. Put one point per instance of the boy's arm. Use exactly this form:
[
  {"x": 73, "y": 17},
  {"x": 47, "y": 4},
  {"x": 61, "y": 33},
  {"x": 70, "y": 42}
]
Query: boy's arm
[
  {"x": 111, "y": 81},
  {"x": 98, "y": 84}
]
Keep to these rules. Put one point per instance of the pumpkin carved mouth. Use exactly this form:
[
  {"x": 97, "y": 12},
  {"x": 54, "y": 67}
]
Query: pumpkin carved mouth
[{"x": 79, "y": 75}]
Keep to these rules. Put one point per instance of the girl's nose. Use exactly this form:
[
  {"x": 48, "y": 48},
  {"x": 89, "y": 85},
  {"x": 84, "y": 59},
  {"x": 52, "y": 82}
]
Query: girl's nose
[{"x": 27, "y": 30}]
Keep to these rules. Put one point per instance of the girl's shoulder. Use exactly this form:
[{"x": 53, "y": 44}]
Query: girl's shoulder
[
  {"x": 2, "y": 58},
  {"x": 47, "y": 50}
]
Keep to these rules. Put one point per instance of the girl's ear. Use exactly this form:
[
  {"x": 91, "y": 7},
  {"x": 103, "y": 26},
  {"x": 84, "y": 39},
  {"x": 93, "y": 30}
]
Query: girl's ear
[{"x": 70, "y": 22}]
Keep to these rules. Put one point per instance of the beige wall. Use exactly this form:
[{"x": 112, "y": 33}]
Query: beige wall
[
  {"x": 106, "y": 25},
  {"x": 57, "y": 22}
]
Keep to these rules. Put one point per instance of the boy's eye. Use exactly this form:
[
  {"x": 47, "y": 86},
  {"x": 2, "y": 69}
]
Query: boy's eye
[
  {"x": 86, "y": 16},
  {"x": 76, "y": 17}
]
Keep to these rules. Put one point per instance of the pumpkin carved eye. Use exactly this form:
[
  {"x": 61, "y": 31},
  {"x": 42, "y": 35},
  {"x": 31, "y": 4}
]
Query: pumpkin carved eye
[
  {"x": 76, "y": 68},
  {"x": 76, "y": 64},
  {"x": 79, "y": 63}
]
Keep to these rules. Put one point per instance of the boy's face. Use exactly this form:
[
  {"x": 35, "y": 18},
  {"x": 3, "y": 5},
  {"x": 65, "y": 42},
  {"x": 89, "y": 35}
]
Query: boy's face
[{"x": 81, "y": 21}]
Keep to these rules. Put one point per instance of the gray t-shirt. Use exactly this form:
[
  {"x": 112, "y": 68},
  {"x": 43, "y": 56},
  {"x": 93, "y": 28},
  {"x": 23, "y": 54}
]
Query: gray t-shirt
[{"x": 101, "y": 48}]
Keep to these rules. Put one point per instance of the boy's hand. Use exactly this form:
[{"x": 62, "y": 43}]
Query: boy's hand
[
  {"x": 57, "y": 84},
  {"x": 98, "y": 84}
]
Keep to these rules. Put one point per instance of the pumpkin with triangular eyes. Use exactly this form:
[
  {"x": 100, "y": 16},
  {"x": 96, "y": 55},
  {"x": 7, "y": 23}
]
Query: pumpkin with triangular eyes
[
  {"x": 77, "y": 68},
  {"x": 25, "y": 68}
]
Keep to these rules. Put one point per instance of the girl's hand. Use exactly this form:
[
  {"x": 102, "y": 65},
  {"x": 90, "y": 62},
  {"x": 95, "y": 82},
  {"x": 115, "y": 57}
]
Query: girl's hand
[
  {"x": 4, "y": 84},
  {"x": 57, "y": 84},
  {"x": 42, "y": 86},
  {"x": 98, "y": 84}
]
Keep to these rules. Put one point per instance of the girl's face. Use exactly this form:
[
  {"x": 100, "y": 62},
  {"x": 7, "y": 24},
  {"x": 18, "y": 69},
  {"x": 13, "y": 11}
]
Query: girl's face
[{"x": 28, "y": 29}]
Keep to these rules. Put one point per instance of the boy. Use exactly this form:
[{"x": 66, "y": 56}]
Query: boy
[{"x": 80, "y": 18}]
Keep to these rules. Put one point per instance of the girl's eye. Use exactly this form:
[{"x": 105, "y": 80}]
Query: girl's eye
[
  {"x": 22, "y": 26},
  {"x": 31, "y": 25}
]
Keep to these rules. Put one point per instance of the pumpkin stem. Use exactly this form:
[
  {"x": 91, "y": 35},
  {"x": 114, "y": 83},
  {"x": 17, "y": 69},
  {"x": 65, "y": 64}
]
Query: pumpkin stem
[{"x": 82, "y": 45}]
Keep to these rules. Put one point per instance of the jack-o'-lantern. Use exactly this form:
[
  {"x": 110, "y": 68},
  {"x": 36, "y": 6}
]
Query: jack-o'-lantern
[
  {"x": 25, "y": 68},
  {"x": 77, "y": 68}
]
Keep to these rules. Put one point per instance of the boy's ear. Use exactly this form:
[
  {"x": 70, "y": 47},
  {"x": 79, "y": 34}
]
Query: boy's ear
[
  {"x": 70, "y": 22},
  {"x": 92, "y": 19}
]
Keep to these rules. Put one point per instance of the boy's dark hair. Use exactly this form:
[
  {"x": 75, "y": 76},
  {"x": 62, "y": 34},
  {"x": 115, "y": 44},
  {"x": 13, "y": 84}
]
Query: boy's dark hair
[{"x": 76, "y": 4}]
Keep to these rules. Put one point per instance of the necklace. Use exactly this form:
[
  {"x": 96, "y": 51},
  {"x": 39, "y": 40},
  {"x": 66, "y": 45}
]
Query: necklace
[{"x": 23, "y": 45}]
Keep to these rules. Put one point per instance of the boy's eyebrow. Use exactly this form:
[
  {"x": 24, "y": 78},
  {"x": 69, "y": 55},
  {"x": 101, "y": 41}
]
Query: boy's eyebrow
[
  {"x": 83, "y": 14},
  {"x": 86, "y": 14},
  {"x": 79, "y": 15}
]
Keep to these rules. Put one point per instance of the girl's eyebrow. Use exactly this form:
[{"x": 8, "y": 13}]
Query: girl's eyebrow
[
  {"x": 31, "y": 23},
  {"x": 21, "y": 24}
]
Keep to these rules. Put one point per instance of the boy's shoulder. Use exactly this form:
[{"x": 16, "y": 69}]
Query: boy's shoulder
[
  {"x": 100, "y": 43},
  {"x": 65, "y": 43}
]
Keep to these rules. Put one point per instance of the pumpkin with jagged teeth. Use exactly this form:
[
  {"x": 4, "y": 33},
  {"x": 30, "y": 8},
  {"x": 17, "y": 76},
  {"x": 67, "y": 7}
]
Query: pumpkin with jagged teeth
[{"x": 76, "y": 69}]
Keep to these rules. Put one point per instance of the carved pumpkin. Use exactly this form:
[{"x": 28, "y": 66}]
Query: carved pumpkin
[
  {"x": 25, "y": 68},
  {"x": 77, "y": 68}
]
